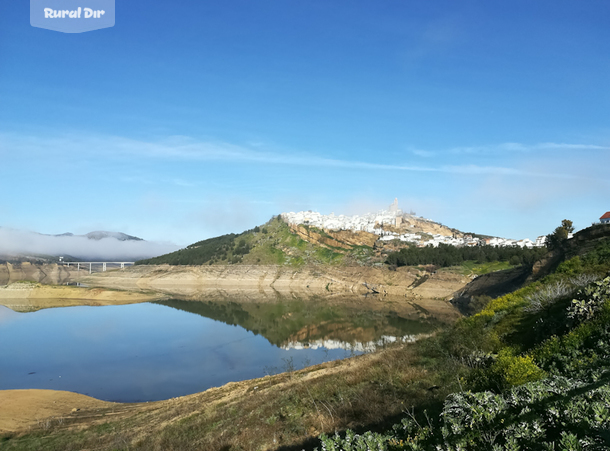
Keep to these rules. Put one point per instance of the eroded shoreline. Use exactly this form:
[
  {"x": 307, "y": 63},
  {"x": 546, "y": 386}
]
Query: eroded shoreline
[{"x": 29, "y": 296}]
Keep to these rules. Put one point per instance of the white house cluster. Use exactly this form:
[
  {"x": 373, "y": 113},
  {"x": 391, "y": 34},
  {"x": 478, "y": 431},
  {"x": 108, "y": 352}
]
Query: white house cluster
[{"x": 393, "y": 224}]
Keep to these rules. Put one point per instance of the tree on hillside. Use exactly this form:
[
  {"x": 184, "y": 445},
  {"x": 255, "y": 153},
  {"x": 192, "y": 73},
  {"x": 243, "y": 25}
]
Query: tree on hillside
[
  {"x": 559, "y": 235},
  {"x": 567, "y": 224}
]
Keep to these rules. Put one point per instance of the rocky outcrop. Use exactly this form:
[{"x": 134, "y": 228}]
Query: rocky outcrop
[
  {"x": 344, "y": 239},
  {"x": 502, "y": 282},
  {"x": 546, "y": 265},
  {"x": 412, "y": 224},
  {"x": 493, "y": 284}
]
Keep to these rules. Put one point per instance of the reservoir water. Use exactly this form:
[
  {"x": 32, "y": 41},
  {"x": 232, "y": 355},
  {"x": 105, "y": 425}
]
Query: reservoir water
[{"x": 154, "y": 351}]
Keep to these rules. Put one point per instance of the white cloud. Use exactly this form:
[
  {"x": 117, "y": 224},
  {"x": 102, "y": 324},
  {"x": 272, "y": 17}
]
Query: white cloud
[
  {"x": 423, "y": 153},
  {"x": 181, "y": 148},
  {"x": 569, "y": 146},
  {"x": 513, "y": 147}
]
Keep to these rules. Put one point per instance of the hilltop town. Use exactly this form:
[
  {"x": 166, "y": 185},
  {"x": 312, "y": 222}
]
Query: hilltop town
[
  {"x": 312, "y": 238},
  {"x": 394, "y": 224}
]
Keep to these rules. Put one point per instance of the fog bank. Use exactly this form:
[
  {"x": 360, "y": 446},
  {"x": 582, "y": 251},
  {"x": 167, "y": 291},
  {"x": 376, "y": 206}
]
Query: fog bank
[{"x": 24, "y": 243}]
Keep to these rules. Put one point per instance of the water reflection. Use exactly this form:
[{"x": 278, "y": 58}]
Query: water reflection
[
  {"x": 315, "y": 323},
  {"x": 369, "y": 346},
  {"x": 152, "y": 351}
]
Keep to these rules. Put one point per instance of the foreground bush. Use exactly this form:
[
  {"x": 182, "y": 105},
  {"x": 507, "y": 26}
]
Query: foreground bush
[
  {"x": 556, "y": 397},
  {"x": 553, "y": 414}
]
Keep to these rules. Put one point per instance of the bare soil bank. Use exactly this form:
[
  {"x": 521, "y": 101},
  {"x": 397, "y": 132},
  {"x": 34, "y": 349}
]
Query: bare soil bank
[
  {"x": 42, "y": 273},
  {"x": 190, "y": 280},
  {"x": 33, "y": 296}
]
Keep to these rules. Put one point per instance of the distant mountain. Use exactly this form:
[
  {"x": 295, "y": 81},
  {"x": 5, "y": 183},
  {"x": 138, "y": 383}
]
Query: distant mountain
[{"x": 99, "y": 235}]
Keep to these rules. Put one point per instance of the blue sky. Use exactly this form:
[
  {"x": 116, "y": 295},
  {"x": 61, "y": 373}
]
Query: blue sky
[{"x": 190, "y": 119}]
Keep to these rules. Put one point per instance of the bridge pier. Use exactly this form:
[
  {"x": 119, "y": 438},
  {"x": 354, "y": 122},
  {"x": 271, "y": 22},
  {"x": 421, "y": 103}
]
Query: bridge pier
[{"x": 103, "y": 264}]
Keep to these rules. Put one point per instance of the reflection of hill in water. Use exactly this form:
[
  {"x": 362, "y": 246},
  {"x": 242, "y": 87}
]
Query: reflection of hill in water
[{"x": 291, "y": 322}]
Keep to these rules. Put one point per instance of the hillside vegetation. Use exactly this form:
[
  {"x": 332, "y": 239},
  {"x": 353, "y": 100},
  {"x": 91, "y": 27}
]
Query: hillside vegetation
[
  {"x": 273, "y": 243},
  {"x": 447, "y": 255},
  {"x": 531, "y": 370},
  {"x": 277, "y": 243}
]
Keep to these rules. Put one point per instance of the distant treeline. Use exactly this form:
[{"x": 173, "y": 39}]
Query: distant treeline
[
  {"x": 446, "y": 255},
  {"x": 220, "y": 248}
]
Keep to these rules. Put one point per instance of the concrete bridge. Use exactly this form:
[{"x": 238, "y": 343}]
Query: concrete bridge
[{"x": 104, "y": 265}]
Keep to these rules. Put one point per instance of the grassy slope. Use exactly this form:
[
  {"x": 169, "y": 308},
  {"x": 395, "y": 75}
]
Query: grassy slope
[
  {"x": 472, "y": 267},
  {"x": 533, "y": 370},
  {"x": 271, "y": 244},
  {"x": 275, "y": 244}
]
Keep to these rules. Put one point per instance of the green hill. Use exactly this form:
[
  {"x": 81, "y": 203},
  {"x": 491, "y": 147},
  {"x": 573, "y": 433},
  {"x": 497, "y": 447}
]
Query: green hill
[
  {"x": 273, "y": 243},
  {"x": 277, "y": 243}
]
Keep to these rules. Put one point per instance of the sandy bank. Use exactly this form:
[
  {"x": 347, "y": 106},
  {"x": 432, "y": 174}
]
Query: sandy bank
[
  {"x": 34, "y": 296},
  {"x": 24, "y": 409}
]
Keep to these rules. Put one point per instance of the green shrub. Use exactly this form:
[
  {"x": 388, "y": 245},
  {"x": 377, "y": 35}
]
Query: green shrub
[
  {"x": 572, "y": 266},
  {"x": 369, "y": 441},
  {"x": 513, "y": 370},
  {"x": 552, "y": 414},
  {"x": 590, "y": 300}
]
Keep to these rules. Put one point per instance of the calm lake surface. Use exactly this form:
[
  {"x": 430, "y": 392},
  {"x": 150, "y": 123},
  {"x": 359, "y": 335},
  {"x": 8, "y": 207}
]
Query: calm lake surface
[{"x": 154, "y": 351}]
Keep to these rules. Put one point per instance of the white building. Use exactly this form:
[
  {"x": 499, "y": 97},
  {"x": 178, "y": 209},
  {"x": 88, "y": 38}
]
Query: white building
[{"x": 373, "y": 222}]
